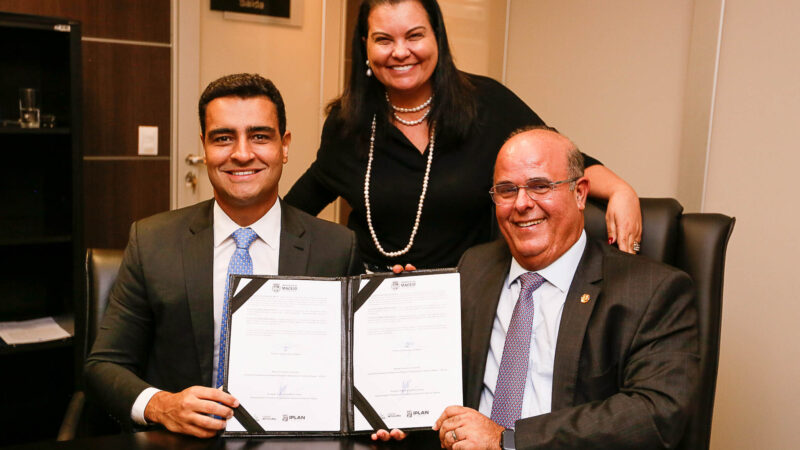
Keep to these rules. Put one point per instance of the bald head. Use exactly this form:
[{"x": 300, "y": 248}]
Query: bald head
[
  {"x": 539, "y": 228},
  {"x": 575, "y": 161}
]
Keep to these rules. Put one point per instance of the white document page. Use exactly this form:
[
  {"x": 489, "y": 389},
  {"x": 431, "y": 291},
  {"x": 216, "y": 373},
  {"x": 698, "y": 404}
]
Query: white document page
[
  {"x": 285, "y": 356},
  {"x": 407, "y": 349},
  {"x": 31, "y": 331}
]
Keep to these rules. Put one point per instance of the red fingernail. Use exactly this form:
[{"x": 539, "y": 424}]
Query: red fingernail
[{"x": 610, "y": 241}]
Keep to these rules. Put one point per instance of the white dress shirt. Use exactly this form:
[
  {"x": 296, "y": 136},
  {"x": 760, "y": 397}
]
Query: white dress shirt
[
  {"x": 548, "y": 305},
  {"x": 264, "y": 253}
]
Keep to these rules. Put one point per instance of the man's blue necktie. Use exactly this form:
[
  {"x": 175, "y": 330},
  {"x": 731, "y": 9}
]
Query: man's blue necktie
[
  {"x": 507, "y": 403},
  {"x": 241, "y": 263}
]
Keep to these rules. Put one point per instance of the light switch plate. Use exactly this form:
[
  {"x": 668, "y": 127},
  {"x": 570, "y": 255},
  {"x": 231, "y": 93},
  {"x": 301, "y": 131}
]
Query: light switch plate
[{"x": 148, "y": 140}]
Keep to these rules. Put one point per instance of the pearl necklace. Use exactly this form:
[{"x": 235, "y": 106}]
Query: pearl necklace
[
  {"x": 409, "y": 123},
  {"x": 421, "y": 196},
  {"x": 414, "y": 109}
]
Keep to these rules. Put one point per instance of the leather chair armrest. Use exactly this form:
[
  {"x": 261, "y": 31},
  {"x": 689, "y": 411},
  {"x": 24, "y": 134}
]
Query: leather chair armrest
[{"x": 72, "y": 417}]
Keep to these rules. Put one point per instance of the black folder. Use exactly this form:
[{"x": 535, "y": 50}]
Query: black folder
[{"x": 355, "y": 292}]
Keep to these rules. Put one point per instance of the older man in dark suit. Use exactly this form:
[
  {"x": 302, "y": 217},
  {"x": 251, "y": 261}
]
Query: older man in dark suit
[
  {"x": 567, "y": 343},
  {"x": 158, "y": 356}
]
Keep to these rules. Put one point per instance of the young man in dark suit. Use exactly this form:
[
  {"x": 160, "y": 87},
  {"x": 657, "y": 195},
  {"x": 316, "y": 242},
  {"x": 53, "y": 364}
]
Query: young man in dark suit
[{"x": 157, "y": 357}]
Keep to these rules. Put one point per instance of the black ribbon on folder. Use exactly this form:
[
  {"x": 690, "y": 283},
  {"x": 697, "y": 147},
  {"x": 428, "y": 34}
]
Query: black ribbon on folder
[
  {"x": 238, "y": 300},
  {"x": 245, "y": 419},
  {"x": 365, "y": 292},
  {"x": 368, "y": 411},
  {"x": 359, "y": 401}
]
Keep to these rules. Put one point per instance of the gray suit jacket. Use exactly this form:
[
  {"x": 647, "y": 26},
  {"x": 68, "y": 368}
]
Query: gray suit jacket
[
  {"x": 626, "y": 359},
  {"x": 158, "y": 328}
]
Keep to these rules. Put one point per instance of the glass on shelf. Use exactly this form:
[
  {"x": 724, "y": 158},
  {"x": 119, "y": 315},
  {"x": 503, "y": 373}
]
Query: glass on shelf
[{"x": 29, "y": 108}]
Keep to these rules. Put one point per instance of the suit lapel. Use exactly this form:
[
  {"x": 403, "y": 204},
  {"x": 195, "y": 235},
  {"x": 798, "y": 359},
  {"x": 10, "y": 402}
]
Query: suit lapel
[
  {"x": 198, "y": 263},
  {"x": 574, "y": 321},
  {"x": 483, "y": 294},
  {"x": 294, "y": 247}
]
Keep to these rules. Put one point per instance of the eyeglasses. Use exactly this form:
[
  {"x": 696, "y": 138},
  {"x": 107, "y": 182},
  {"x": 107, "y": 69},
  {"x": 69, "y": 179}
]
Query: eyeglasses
[{"x": 536, "y": 188}]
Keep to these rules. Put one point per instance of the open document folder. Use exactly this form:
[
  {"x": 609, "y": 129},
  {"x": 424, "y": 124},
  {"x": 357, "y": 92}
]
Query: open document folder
[{"x": 338, "y": 356}]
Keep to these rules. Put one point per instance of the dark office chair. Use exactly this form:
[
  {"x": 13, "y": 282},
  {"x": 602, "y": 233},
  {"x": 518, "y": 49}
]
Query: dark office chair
[
  {"x": 82, "y": 417},
  {"x": 696, "y": 244}
]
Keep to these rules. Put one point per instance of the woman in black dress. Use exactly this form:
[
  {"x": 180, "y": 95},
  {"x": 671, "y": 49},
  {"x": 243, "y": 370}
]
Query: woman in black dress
[{"x": 411, "y": 145}]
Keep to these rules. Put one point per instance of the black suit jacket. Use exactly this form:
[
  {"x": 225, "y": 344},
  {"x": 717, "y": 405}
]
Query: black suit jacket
[
  {"x": 626, "y": 359},
  {"x": 158, "y": 328}
]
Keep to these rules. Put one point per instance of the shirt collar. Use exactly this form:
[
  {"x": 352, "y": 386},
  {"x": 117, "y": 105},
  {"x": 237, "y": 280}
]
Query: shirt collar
[
  {"x": 560, "y": 272},
  {"x": 268, "y": 227}
]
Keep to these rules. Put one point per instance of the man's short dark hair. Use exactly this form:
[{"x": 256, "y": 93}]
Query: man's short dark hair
[{"x": 244, "y": 85}]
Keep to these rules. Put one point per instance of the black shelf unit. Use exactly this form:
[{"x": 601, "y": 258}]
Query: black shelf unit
[{"x": 41, "y": 230}]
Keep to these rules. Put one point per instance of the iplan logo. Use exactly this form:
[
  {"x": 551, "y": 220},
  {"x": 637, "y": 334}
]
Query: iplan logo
[{"x": 289, "y": 418}]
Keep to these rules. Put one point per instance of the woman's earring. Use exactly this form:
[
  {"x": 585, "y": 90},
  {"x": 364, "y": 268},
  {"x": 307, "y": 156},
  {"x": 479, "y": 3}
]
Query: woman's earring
[{"x": 369, "y": 70}]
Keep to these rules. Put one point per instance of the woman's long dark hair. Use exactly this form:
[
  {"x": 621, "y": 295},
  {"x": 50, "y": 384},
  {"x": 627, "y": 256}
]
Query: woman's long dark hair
[{"x": 454, "y": 105}]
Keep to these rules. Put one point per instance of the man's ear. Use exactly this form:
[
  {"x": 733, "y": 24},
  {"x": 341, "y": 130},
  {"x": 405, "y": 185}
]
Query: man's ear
[
  {"x": 285, "y": 141},
  {"x": 581, "y": 192}
]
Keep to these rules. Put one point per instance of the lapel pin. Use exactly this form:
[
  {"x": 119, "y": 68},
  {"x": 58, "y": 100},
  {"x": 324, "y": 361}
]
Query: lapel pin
[{"x": 585, "y": 298}]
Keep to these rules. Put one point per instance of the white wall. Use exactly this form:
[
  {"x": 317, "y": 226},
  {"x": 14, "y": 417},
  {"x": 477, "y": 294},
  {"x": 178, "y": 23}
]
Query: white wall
[
  {"x": 476, "y": 31},
  {"x": 611, "y": 76},
  {"x": 755, "y": 153}
]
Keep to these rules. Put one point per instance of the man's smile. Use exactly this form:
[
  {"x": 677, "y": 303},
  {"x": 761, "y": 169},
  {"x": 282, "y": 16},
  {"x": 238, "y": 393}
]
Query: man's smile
[
  {"x": 242, "y": 172},
  {"x": 529, "y": 223}
]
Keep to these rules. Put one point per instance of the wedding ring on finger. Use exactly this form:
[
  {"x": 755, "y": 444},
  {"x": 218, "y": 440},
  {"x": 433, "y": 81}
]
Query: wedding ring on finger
[
  {"x": 455, "y": 437},
  {"x": 636, "y": 247}
]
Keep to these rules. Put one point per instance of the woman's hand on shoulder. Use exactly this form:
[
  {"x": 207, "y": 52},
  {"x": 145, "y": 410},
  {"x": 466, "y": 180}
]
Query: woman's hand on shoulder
[
  {"x": 623, "y": 213},
  {"x": 624, "y": 220}
]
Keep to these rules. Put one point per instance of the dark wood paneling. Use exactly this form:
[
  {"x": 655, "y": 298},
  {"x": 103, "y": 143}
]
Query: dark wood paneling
[
  {"x": 138, "y": 20},
  {"x": 124, "y": 86},
  {"x": 119, "y": 192}
]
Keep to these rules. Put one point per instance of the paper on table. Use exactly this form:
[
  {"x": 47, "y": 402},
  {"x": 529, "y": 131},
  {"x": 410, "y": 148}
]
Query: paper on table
[
  {"x": 406, "y": 354},
  {"x": 285, "y": 356},
  {"x": 31, "y": 331}
]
